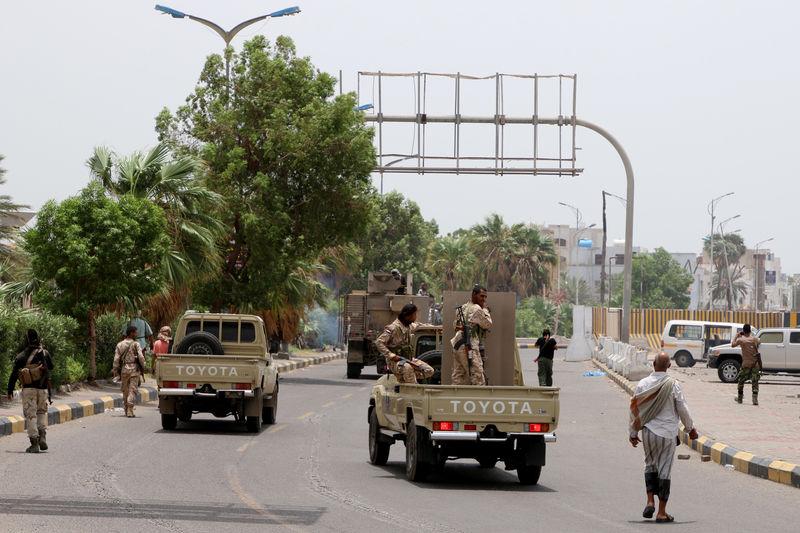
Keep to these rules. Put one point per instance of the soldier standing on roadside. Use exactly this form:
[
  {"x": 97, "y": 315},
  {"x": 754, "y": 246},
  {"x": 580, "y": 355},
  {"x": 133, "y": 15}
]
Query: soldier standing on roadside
[
  {"x": 468, "y": 368},
  {"x": 395, "y": 345},
  {"x": 750, "y": 362},
  {"x": 32, "y": 368},
  {"x": 128, "y": 356}
]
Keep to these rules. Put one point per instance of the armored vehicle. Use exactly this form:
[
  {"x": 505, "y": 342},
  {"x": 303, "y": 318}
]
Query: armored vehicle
[
  {"x": 220, "y": 364},
  {"x": 366, "y": 314}
]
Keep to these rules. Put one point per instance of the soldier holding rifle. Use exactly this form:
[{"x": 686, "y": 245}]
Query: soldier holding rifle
[
  {"x": 472, "y": 322},
  {"x": 395, "y": 345}
]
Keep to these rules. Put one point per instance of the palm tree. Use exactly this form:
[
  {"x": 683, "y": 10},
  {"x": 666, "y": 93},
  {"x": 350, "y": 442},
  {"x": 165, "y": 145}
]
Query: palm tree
[
  {"x": 450, "y": 261},
  {"x": 189, "y": 207},
  {"x": 8, "y": 210},
  {"x": 532, "y": 258},
  {"x": 719, "y": 286},
  {"x": 493, "y": 243}
]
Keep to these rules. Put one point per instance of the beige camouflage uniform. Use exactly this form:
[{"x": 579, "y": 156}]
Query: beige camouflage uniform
[
  {"x": 34, "y": 407},
  {"x": 463, "y": 372},
  {"x": 126, "y": 354},
  {"x": 396, "y": 340}
]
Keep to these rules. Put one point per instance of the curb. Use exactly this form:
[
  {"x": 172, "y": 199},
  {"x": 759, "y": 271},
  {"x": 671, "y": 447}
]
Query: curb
[
  {"x": 721, "y": 453},
  {"x": 60, "y": 413}
]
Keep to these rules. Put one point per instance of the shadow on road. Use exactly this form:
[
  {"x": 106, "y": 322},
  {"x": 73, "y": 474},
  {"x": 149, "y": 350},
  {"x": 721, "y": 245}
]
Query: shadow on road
[
  {"x": 161, "y": 510},
  {"x": 466, "y": 476}
]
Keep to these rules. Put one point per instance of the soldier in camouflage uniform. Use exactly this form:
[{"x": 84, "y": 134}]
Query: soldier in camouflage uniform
[
  {"x": 129, "y": 357},
  {"x": 468, "y": 370},
  {"x": 751, "y": 368},
  {"x": 395, "y": 345}
]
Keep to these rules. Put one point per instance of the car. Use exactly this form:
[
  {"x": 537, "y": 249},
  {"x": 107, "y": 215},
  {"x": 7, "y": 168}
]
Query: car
[
  {"x": 779, "y": 349},
  {"x": 689, "y": 341}
]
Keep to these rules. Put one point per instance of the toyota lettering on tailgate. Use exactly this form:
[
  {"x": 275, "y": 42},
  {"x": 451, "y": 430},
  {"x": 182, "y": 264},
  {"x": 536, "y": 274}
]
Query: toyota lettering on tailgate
[
  {"x": 494, "y": 407},
  {"x": 211, "y": 371}
]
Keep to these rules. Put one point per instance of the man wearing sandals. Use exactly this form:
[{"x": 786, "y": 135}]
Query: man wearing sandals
[{"x": 657, "y": 407}]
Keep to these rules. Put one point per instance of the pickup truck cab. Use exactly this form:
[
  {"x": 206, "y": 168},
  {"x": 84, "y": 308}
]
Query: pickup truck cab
[
  {"x": 779, "y": 349},
  {"x": 220, "y": 364},
  {"x": 441, "y": 422}
]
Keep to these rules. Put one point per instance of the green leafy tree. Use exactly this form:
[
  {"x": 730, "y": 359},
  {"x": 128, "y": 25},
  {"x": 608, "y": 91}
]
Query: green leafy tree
[
  {"x": 8, "y": 208},
  {"x": 663, "y": 281},
  {"x": 494, "y": 243},
  {"x": 291, "y": 161},
  {"x": 397, "y": 237},
  {"x": 728, "y": 249},
  {"x": 532, "y": 259},
  {"x": 94, "y": 251},
  {"x": 536, "y": 314}
]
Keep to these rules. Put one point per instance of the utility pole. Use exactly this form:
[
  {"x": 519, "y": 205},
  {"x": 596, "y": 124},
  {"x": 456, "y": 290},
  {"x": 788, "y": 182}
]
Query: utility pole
[
  {"x": 603, "y": 260},
  {"x": 711, "y": 205}
]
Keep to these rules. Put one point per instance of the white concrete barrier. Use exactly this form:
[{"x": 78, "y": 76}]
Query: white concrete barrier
[{"x": 629, "y": 361}]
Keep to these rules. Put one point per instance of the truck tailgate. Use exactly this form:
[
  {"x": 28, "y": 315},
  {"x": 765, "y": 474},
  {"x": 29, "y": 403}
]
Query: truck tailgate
[
  {"x": 509, "y": 409},
  {"x": 215, "y": 370}
]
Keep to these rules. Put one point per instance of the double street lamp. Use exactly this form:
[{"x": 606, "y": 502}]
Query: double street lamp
[
  {"x": 227, "y": 36},
  {"x": 711, "y": 206}
]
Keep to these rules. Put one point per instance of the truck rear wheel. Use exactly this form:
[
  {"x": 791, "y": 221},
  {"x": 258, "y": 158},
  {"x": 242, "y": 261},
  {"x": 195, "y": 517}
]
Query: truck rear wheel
[
  {"x": 254, "y": 423},
  {"x": 354, "y": 370},
  {"x": 378, "y": 451},
  {"x": 529, "y": 475},
  {"x": 269, "y": 413},
  {"x": 169, "y": 422},
  {"x": 416, "y": 443}
]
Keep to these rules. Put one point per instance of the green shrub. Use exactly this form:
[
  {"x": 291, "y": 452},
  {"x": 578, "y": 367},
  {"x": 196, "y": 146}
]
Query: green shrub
[
  {"x": 109, "y": 332},
  {"x": 77, "y": 370}
]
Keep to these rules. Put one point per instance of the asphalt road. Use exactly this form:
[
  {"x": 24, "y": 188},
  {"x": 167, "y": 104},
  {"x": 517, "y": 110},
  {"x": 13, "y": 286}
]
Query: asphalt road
[{"x": 310, "y": 473}]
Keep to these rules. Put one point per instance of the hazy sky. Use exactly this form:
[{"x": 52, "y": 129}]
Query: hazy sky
[{"x": 702, "y": 95}]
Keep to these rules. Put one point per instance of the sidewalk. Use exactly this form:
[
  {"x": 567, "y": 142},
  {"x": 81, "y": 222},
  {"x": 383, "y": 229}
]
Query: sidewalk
[
  {"x": 92, "y": 400},
  {"x": 762, "y": 440}
]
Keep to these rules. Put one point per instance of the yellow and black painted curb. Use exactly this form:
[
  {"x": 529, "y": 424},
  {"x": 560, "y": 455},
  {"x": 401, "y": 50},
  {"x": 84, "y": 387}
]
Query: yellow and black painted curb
[
  {"x": 721, "y": 453},
  {"x": 58, "y": 414}
]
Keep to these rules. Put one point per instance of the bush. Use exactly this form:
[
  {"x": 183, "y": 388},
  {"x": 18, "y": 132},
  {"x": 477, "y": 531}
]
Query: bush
[
  {"x": 109, "y": 332},
  {"x": 59, "y": 335},
  {"x": 535, "y": 314}
]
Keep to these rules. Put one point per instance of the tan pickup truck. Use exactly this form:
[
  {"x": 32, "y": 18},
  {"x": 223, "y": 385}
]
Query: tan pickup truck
[{"x": 219, "y": 364}]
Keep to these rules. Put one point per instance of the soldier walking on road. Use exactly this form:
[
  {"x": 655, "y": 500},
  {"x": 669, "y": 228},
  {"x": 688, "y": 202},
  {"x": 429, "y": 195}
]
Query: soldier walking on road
[
  {"x": 32, "y": 368},
  {"x": 467, "y": 360},
  {"x": 751, "y": 362},
  {"x": 128, "y": 356},
  {"x": 395, "y": 345},
  {"x": 547, "y": 347},
  {"x": 656, "y": 407}
]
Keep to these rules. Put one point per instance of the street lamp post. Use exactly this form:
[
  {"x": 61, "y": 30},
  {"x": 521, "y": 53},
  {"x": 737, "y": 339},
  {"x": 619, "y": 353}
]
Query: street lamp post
[
  {"x": 711, "y": 205},
  {"x": 758, "y": 270},
  {"x": 725, "y": 252},
  {"x": 603, "y": 253}
]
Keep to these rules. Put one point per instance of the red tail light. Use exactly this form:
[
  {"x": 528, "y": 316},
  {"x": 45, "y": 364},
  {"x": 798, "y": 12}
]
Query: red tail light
[
  {"x": 170, "y": 385},
  {"x": 444, "y": 426},
  {"x": 241, "y": 386},
  {"x": 538, "y": 428},
  {"x": 470, "y": 427},
  {"x": 191, "y": 385}
]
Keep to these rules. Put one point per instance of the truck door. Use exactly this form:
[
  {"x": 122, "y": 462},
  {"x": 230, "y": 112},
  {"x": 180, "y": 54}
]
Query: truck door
[
  {"x": 793, "y": 351},
  {"x": 773, "y": 350}
]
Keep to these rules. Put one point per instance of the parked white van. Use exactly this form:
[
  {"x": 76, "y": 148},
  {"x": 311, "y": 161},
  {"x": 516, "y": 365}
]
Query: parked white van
[{"x": 688, "y": 341}]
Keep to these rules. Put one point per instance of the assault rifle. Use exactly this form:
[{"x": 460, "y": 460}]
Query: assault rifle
[{"x": 465, "y": 333}]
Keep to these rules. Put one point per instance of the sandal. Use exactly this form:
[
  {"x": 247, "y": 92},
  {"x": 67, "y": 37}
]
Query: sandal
[
  {"x": 648, "y": 511},
  {"x": 669, "y": 518}
]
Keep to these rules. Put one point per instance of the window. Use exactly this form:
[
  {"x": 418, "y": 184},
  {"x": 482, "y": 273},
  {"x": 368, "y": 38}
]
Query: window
[
  {"x": 425, "y": 344},
  {"x": 718, "y": 335},
  {"x": 248, "y": 332},
  {"x": 598, "y": 259},
  {"x": 686, "y": 332},
  {"x": 192, "y": 326},
  {"x": 794, "y": 337},
  {"x": 772, "y": 337},
  {"x": 619, "y": 259},
  {"x": 212, "y": 327},
  {"x": 230, "y": 332}
]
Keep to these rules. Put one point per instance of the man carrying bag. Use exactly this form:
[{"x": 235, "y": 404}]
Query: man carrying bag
[{"x": 32, "y": 368}]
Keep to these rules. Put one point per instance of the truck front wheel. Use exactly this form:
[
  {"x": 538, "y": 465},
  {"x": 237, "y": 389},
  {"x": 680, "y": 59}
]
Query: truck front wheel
[
  {"x": 416, "y": 444},
  {"x": 354, "y": 370},
  {"x": 378, "y": 451},
  {"x": 169, "y": 422},
  {"x": 529, "y": 475},
  {"x": 728, "y": 370}
]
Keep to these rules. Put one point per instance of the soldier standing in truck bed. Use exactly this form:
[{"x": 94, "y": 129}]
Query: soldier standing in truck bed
[
  {"x": 468, "y": 366},
  {"x": 395, "y": 345}
]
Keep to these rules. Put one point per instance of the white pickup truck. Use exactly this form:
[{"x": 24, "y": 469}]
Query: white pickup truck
[
  {"x": 779, "y": 349},
  {"x": 220, "y": 365}
]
